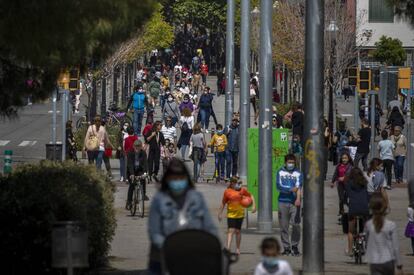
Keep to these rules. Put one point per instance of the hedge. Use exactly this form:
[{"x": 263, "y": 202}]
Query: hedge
[{"x": 36, "y": 196}]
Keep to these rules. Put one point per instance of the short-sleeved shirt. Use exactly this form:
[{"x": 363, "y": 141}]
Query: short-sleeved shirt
[
  {"x": 198, "y": 140},
  {"x": 386, "y": 149},
  {"x": 233, "y": 198},
  {"x": 169, "y": 132},
  {"x": 365, "y": 136}
]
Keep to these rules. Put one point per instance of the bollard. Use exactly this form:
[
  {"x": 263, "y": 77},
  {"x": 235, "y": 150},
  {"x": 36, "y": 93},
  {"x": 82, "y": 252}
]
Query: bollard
[{"x": 7, "y": 169}]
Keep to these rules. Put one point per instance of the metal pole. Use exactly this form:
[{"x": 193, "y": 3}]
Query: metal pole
[
  {"x": 356, "y": 110},
  {"x": 229, "y": 104},
  {"x": 265, "y": 214},
  {"x": 64, "y": 119},
  {"x": 54, "y": 98},
  {"x": 244, "y": 86},
  {"x": 315, "y": 152},
  {"x": 409, "y": 150},
  {"x": 372, "y": 94}
]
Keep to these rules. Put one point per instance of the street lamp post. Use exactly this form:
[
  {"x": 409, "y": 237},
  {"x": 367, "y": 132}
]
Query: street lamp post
[
  {"x": 244, "y": 86},
  {"x": 315, "y": 151},
  {"x": 229, "y": 104},
  {"x": 332, "y": 29},
  {"x": 265, "y": 126}
]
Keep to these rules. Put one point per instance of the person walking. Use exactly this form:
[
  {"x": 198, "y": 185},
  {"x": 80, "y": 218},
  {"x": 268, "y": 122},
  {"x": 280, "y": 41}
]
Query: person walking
[
  {"x": 186, "y": 104},
  {"x": 204, "y": 71},
  {"x": 199, "y": 150},
  {"x": 232, "y": 197},
  {"x": 289, "y": 184},
  {"x": 205, "y": 105},
  {"x": 356, "y": 196},
  {"x": 382, "y": 254},
  {"x": 171, "y": 110},
  {"x": 219, "y": 144},
  {"x": 154, "y": 139},
  {"x": 386, "y": 150},
  {"x": 232, "y": 150},
  {"x": 409, "y": 229},
  {"x": 120, "y": 153},
  {"x": 297, "y": 121},
  {"x": 95, "y": 140},
  {"x": 395, "y": 119},
  {"x": 340, "y": 175},
  {"x": 169, "y": 131},
  {"x": 176, "y": 206},
  {"x": 154, "y": 89},
  {"x": 364, "y": 138},
  {"x": 340, "y": 140},
  {"x": 376, "y": 179},
  {"x": 70, "y": 142},
  {"x": 138, "y": 101},
  {"x": 187, "y": 124},
  {"x": 400, "y": 151}
]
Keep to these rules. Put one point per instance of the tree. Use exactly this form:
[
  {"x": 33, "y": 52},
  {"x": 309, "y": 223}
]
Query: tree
[
  {"x": 390, "y": 51},
  {"x": 41, "y": 37},
  {"x": 155, "y": 34}
]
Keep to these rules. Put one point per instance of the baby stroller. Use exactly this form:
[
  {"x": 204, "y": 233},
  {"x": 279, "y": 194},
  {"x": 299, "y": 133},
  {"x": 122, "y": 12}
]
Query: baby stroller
[{"x": 190, "y": 252}]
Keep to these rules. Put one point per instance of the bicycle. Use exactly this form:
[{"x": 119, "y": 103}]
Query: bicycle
[
  {"x": 138, "y": 197},
  {"x": 359, "y": 241},
  {"x": 116, "y": 118}
]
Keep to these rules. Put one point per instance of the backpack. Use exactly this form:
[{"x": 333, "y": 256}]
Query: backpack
[
  {"x": 138, "y": 100},
  {"x": 184, "y": 127},
  {"x": 343, "y": 139}
]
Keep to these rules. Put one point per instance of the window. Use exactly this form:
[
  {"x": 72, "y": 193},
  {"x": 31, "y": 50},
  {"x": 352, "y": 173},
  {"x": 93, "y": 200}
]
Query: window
[{"x": 380, "y": 11}]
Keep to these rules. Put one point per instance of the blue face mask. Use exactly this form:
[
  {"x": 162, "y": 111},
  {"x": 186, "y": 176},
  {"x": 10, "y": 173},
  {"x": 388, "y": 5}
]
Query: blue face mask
[
  {"x": 270, "y": 262},
  {"x": 290, "y": 166},
  {"x": 178, "y": 187},
  {"x": 220, "y": 132}
]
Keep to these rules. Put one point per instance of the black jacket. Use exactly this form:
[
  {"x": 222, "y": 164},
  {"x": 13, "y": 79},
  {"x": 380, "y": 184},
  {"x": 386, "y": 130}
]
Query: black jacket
[
  {"x": 153, "y": 144},
  {"x": 396, "y": 119},
  {"x": 357, "y": 196},
  {"x": 143, "y": 164},
  {"x": 297, "y": 123}
]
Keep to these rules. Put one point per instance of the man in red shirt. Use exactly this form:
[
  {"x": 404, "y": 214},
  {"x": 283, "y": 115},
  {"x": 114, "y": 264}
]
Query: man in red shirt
[
  {"x": 129, "y": 141},
  {"x": 204, "y": 71}
]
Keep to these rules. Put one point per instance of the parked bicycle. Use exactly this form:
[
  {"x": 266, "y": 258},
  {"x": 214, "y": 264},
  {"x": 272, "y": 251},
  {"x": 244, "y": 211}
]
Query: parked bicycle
[
  {"x": 115, "y": 117},
  {"x": 138, "y": 198}
]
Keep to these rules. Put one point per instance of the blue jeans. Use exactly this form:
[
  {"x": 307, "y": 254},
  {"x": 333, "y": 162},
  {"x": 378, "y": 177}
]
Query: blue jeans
[
  {"x": 122, "y": 166},
  {"x": 399, "y": 167},
  {"x": 220, "y": 163},
  {"x": 137, "y": 122},
  {"x": 183, "y": 150},
  {"x": 99, "y": 159},
  {"x": 205, "y": 118},
  {"x": 231, "y": 163}
]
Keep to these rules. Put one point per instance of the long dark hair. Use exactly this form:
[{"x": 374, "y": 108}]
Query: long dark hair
[
  {"x": 356, "y": 176},
  {"x": 378, "y": 206},
  {"x": 373, "y": 165},
  {"x": 350, "y": 161},
  {"x": 175, "y": 167}
]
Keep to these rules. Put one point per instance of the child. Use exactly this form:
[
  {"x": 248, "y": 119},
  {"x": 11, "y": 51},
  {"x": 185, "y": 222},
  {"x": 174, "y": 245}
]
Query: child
[
  {"x": 167, "y": 153},
  {"x": 271, "y": 264},
  {"x": 233, "y": 196},
  {"x": 219, "y": 143},
  {"x": 341, "y": 171},
  {"x": 382, "y": 239},
  {"x": 409, "y": 230}
]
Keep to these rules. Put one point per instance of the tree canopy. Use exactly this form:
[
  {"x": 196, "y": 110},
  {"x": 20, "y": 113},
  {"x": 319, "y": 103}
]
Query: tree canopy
[
  {"x": 390, "y": 51},
  {"x": 404, "y": 8},
  {"x": 40, "y": 37}
]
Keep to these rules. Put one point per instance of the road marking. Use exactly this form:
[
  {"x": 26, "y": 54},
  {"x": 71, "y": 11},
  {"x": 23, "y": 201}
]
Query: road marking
[
  {"x": 346, "y": 115},
  {"x": 4, "y": 142},
  {"x": 27, "y": 143},
  {"x": 51, "y": 111}
]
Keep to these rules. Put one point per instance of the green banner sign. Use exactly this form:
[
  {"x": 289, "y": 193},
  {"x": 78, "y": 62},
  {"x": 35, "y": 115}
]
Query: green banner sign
[{"x": 280, "y": 147}]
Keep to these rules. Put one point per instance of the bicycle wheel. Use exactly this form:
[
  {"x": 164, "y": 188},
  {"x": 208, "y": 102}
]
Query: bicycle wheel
[
  {"x": 141, "y": 201},
  {"x": 134, "y": 204}
]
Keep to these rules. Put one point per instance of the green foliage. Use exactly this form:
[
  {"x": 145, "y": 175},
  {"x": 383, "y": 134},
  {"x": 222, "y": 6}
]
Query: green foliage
[
  {"x": 36, "y": 196},
  {"x": 38, "y": 38},
  {"x": 390, "y": 51}
]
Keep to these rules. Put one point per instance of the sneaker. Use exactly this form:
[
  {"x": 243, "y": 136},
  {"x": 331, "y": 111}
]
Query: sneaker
[
  {"x": 154, "y": 178},
  {"x": 286, "y": 252},
  {"x": 122, "y": 179},
  {"x": 388, "y": 187},
  {"x": 295, "y": 251},
  {"x": 206, "y": 131}
]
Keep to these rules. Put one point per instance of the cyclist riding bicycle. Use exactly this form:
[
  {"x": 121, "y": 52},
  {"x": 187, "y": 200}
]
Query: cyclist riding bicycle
[{"x": 137, "y": 165}]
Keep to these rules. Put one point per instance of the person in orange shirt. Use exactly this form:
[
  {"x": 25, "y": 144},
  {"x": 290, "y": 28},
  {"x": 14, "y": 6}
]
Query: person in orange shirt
[{"x": 233, "y": 197}]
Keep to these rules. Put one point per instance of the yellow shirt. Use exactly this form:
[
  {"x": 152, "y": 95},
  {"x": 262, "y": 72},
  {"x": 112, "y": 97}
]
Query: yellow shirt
[
  {"x": 219, "y": 142},
  {"x": 232, "y": 198}
]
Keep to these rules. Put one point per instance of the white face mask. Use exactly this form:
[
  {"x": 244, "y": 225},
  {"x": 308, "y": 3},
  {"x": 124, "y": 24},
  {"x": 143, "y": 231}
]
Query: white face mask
[{"x": 170, "y": 99}]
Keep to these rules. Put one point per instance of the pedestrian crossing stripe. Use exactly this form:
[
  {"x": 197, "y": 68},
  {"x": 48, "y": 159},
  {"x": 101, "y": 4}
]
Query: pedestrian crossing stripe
[
  {"x": 4, "y": 142},
  {"x": 27, "y": 143}
]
